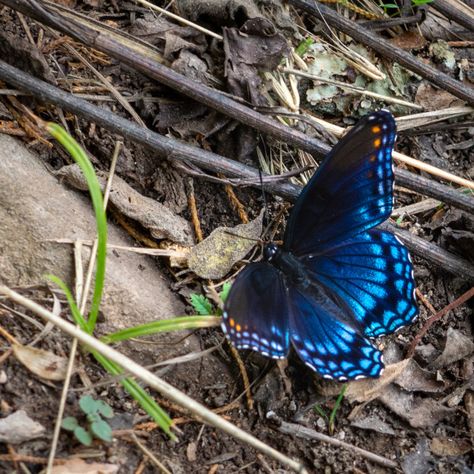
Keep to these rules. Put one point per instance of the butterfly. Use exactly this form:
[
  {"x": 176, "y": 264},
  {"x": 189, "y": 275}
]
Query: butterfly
[{"x": 336, "y": 282}]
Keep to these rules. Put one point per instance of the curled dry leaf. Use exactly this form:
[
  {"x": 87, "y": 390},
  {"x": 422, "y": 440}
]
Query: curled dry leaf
[
  {"x": 43, "y": 363},
  {"x": 214, "y": 256},
  {"x": 419, "y": 412},
  {"x": 369, "y": 389},
  {"x": 415, "y": 379},
  {"x": 457, "y": 347},
  {"x": 158, "y": 219}
]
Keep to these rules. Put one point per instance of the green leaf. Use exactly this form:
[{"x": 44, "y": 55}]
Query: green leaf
[
  {"x": 83, "y": 436},
  {"x": 201, "y": 304},
  {"x": 303, "y": 46},
  {"x": 105, "y": 409},
  {"x": 88, "y": 405},
  {"x": 69, "y": 423},
  {"x": 225, "y": 291},
  {"x": 102, "y": 430}
]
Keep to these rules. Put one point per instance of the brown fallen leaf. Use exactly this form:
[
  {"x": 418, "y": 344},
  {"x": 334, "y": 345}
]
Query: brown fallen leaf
[
  {"x": 457, "y": 347},
  {"x": 214, "y": 256},
  {"x": 154, "y": 216},
  {"x": 78, "y": 466},
  {"x": 369, "y": 389},
  {"x": 450, "y": 446},
  {"x": 415, "y": 379},
  {"x": 43, "y": 363},
  {"x": 417, "y": 411}
]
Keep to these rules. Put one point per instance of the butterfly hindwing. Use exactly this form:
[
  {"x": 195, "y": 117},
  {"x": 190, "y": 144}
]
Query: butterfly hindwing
[
  {"x": 256, "y": 311},
  {"x": 372, "y": 272},
  {"x": 350, "y": 192},
  {"x": 325, "y": 340}
]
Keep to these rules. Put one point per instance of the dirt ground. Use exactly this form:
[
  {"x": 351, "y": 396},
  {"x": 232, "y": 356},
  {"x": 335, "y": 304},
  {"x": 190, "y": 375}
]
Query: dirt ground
[{"x": 420, "y": 420}]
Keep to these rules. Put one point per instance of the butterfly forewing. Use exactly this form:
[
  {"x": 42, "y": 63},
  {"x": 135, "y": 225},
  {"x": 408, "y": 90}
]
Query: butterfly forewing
[
  {"x": 350, "y": 192},
  {"x": 256, "y": 311},
  {"x": 373, "y": 274}
]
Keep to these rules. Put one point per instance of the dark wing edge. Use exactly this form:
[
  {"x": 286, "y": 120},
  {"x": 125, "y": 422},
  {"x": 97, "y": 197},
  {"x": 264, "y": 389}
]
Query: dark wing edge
[
  {"x": 256, "y": 311},
  {"x": 352, "y": 190}
]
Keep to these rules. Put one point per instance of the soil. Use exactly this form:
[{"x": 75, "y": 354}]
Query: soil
[{"x": 429, "y": 428}]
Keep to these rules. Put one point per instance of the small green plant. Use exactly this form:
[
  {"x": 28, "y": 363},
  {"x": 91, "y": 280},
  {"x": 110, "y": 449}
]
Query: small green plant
[
  {"x": 97, "y": 427},
  {"x": 204, "y": 307},
  {"x": 332, "y": 417}
]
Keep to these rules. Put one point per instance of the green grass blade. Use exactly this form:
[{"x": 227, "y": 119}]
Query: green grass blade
[
  {"x": 76, "y": 314},
  {"x": 332, "y": 416},
  {"x": 166, "y": 325},
  {"x": 83, "y": 161},
  {"x": 139, "y": 394}
]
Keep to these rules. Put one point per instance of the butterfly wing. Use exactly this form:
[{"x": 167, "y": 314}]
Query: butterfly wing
[
  {"x": 373, "y": 274},
  {"x": 325, "y": 339},
  {"x": 350, "y": 192},
  {"x": 256, "y": 311}
]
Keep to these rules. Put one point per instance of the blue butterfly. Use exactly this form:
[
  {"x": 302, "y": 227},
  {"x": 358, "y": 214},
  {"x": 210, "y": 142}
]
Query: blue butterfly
[{"x": 336, "y": 281}]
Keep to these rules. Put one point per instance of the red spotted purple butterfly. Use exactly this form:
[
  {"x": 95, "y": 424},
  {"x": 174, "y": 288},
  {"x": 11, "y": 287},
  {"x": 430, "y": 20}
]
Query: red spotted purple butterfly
[{"x": 336, "y": 282}]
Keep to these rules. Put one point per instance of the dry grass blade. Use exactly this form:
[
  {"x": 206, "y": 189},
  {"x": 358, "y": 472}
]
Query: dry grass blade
[{"x": 167, "y": 390}]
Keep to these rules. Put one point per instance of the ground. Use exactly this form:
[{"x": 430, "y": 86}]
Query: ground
[{"x": 419, "y": 416}]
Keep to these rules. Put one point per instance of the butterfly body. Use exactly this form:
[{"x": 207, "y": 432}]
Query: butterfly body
[{"x": 336, "y": 282}]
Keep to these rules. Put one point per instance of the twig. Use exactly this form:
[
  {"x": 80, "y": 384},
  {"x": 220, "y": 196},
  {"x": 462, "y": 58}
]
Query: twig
[
  {"x": 351, "y": 87},
  {"x": 458, "y": 302},
  {"x": 173, "y": 394},
  {"x": 386, "y": 49},
  {"x": 307, "y": 433},
  {"x": 459, "y": 12},
  {"x": 147, "y": 62},
  {"x": 178, "y": 150}
]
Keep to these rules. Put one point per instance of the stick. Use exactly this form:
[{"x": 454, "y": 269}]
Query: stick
[
  {"x": 386, "y": 49},
  {"x": 167, "y": 390},
  {"x": 182, "y": 152}
]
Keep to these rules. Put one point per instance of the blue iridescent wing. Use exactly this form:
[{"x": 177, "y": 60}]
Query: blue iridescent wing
[
  {"x": 256, "y": 311},
  {"x": 325, "y": 338},
  {"x": 373, "y": 274},
  {"x": 350, "y": 192}
]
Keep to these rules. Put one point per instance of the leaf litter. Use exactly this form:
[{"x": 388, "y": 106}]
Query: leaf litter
[{"x": 410, "y": 392}]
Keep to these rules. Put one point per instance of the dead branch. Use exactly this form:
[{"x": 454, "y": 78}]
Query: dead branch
[
  {"x": 386, "y": 49},
  {"x": 177, "y": 150}
]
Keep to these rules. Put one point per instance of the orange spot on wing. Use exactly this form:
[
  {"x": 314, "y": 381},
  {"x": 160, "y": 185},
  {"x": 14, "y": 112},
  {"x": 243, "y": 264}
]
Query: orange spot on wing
[
  {"x": 231, "y": 322},
  {"x": 238, "y": 328},
  {"x": 372, "y": 158},
  {"x": 375, "y": 129},
  {"x": 377, "y": 142}
]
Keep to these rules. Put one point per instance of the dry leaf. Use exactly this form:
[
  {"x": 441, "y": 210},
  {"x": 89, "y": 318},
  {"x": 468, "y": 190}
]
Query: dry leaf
[
  {"x": 43, "y": 363},
  {"x": 415, "y": 379},
  {"x": 418, "y": 411},
  {"x": 19, "y": 427},
  {"x": 369, "y": 389},
  {"x": 214, "y": 256},
  {"x": 78, "y": 466},
  {"x": 457, "y": 347},
  {"x": 450, "y": 446},
  {"x": 154, "y": 216}
]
